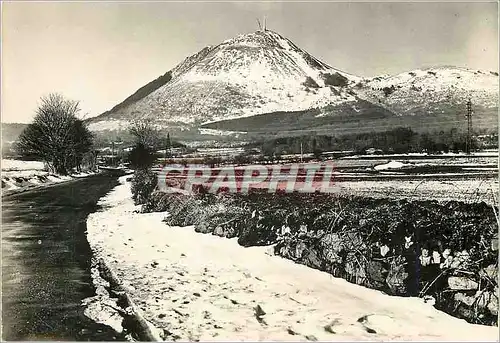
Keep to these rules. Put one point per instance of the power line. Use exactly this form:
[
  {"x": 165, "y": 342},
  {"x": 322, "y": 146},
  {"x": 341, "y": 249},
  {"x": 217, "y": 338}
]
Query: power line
[{"x": 469, "y": 127}]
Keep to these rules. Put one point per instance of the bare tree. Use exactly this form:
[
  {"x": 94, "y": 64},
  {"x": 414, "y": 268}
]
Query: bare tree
[
  {"x": 145, "y": 133},
  {"x": 147, "y": 140},
  {"x": 56, "y": 135}
]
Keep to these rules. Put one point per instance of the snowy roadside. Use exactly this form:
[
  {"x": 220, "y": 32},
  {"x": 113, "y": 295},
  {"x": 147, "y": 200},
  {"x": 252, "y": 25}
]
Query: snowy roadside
[
  {"x": 18, "y": 176},
  {"x": 193, "y": 286}
]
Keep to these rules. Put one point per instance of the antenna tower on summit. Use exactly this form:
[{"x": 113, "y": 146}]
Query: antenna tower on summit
[
  {"x": 258, "y": 23},
  {"x": 262, "y": 28}
]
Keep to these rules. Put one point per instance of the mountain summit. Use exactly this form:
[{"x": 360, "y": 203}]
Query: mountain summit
[{"x": 250, "y": 74}]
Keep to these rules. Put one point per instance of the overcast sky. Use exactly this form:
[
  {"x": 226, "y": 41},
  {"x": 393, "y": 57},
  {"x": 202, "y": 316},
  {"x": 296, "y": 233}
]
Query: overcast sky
[{"x": 100, "y": 53}]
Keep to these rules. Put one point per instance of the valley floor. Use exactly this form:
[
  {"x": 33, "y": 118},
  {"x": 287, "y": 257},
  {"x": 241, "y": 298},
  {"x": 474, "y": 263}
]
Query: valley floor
[{"x": 193, "y": 286}]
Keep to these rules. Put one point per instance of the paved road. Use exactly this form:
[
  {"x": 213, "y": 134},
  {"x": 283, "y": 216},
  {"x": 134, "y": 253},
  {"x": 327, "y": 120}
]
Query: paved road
[{"x": 46, "y": 262}]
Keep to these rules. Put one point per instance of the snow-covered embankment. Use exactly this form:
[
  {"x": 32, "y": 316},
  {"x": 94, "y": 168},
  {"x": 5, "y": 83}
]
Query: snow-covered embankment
[
  {"x": 193, "y": 286},
  {"x": 18, "y": 175}
]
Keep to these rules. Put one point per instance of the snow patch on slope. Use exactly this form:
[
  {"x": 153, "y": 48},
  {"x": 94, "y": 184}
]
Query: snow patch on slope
[{"x": 214, "y": 132}]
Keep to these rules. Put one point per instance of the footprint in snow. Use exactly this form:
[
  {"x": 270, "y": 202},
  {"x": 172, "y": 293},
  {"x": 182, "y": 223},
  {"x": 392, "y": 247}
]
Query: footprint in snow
[
  {"x": 372, "y": 322},
  {"x": 330, "y": 327}
]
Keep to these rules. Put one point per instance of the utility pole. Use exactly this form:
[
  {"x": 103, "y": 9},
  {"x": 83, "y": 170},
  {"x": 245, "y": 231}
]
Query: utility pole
[
  {"x": 168, "y": 148},
  {"x": 468, "y": 144},
  {"x": 301, "y": 151},
  {"x": 112, "y": 153}
]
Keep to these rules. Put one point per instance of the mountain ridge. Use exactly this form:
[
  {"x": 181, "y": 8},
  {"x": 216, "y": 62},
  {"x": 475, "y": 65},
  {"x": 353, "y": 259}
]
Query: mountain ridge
[{"x": 263, "y": 73}]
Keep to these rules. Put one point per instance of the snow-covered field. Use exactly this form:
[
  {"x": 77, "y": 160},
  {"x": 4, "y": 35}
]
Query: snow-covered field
[
  {"x": 193, "y": 286},
  {"x": 469, "y": 191}
]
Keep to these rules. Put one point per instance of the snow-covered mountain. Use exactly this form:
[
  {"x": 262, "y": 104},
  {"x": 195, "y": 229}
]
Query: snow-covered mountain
[
  {"x": 251, "y": 74},
  {"x": 434, "y": 91},
  {"x": 265, "y": 75},
  {"x": 425, "y": 100}
]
